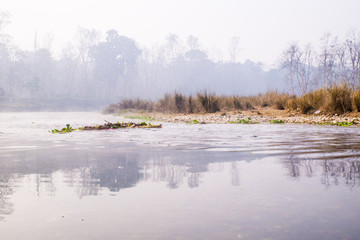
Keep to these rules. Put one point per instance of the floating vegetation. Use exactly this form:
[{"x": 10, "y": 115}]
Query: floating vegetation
[
  {"x": 66, "y": 129},
  {"x": 146, "y": 118},
  {"x": 194, "y": 122},
  {"x": 243, "y": 121},
  {"x": 345, "y": 124},
  {"x": 277, "y": 121},
  {"x": 108, "y": 125},
  {"x": 340, "y": 124}
]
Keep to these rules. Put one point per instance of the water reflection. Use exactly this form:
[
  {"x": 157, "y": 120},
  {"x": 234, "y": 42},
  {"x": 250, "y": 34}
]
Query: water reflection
[
  {"x": 6, "y": 189},
  {"x": 333, "y": 171},
  {"x": 157, "y": 192},
  {"x": 89, "y": 172}
]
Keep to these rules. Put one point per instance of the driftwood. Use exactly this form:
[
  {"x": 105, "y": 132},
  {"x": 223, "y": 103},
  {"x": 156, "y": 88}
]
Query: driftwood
[
  {"x": 110, "y": 125},
  {"x": 107, "y": 125}
]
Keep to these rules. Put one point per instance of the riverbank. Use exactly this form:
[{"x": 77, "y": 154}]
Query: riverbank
[
  {"x": 260, "y": 115},
  {"x": 336, "y": 105},
  {"x": 49, "y": 104}
]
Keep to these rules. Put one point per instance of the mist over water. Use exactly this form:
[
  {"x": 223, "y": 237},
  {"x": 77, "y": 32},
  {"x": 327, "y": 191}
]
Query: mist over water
[
  {"x": 98, "y": 68},
  {"x": 181, "y": 181},
  {"x": 94, "y": 72}
]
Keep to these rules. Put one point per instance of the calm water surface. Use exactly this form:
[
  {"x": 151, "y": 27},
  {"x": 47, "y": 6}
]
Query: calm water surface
[{"x": 179, "y": 182}]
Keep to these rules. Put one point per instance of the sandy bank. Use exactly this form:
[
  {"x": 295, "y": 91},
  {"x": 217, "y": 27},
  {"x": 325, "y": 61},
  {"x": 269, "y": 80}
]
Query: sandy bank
[{"x": 264, "y": 115}]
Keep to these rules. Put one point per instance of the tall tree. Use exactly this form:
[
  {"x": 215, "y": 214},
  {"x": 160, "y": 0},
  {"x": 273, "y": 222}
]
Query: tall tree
[
  {"x": 327, "y": 61},
  {"x": 87, "y": 38},
  {"x": 5, "y": 62},
  {"x": 193, "y": 42},
  {"x": 173, "y": 47},
  {"x": 298, "y": 63},
  {"x": 289, "y": 63},
  {"x": 304, "y": 68},
  {"x": 353, "y": 49},
  {"x": 234, "y": 49},
  {"x": 115, "y": 62}
]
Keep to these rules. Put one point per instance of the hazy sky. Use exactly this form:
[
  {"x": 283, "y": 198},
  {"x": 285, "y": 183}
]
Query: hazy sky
[{"x": 264, "y": 27}]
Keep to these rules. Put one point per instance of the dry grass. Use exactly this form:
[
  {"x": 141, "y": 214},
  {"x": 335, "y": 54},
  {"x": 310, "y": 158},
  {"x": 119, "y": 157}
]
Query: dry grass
[
  {"x": 208, "y": 102},
  {"x": 338, "y": 100},
  {"x": 335, "y": 100},
  {"x": 129, "y": 104},
  {"x": 356, "y": 100}
]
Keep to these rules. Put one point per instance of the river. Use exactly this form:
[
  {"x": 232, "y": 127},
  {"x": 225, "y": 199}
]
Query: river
[{"x": 183, "y": 181}]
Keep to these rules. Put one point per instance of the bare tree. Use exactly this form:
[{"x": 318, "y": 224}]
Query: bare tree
[
  {"x": 193, "y": 42},
  {"x": 303, "y": 67},
  {"x": 4, "y": 21},
  {"x": 48, "y": 41},
  {"x": 298, "y": 63},
  {"x": 341, "y": 63},
  {"x": 327, "y": 61},
  {"x": 4, "y": 55},
  {"x": 353, "y": 49},
  {"x": 69, "y": 65},
  {"x": 289, "y": 63},
  {"x": 234, "y": 49},
  {"x": 86, "y": 39},
  {"x": 348, "y": 61},
  {"x": 174, "y": 47}
]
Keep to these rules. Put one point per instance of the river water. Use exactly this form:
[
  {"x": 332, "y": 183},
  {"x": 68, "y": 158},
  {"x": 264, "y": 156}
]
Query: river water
[{"x": 182, "y": 181}]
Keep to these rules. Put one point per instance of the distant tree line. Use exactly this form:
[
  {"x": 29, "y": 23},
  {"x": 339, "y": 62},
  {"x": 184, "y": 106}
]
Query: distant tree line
[
  {"x": 336, "y": 63},
  {"x": 114, "y": 67}
]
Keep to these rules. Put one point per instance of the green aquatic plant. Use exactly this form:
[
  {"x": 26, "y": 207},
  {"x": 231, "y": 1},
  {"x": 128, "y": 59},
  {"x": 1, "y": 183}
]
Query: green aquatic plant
[
  {"x": 66, "y": 129},
  {"x": 144, "y": 124},
  {"x": 324, "y": 123},
  {"x": 345, "y": 124},
  {"x": 340, "y": 124},
  {"x": 194, "y": 122},
  {"x": 243, "y": 121},
  {"x": 277, "y": 121}
]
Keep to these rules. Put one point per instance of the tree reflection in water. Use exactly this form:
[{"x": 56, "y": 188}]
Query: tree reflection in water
[
  {"x": 333, "y": 171},
  {"x": 6, "y": 189},
  {"x": 90, "y": 172}
]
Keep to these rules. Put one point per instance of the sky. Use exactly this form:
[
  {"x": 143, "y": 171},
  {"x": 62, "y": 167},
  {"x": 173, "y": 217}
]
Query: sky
[{"x": 264, "y": 27}]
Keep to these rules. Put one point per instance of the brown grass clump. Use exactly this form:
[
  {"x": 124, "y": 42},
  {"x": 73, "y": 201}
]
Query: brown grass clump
[
  {"x": 334, "y": 100},
  {"x": 177, "y": 103},
  {"x": 231, "y": 103},
  {"x": 191, "y": 105},
  {"x": 180, "y": 103},
  {"x": 338, "y": 100},
  {"x": 127, "y": 104},
  {"x": 311, "y": 101},
  {"x": 271, "y": 99},
  {"x": 227, "y": 103},
  {"x": 208, "y": 102},
  {"x": 281, "y": 101},
  {"x": 292, "y": 103},
  {"x": 356, "y": 100},
  {"x": 305, "y": 103}
]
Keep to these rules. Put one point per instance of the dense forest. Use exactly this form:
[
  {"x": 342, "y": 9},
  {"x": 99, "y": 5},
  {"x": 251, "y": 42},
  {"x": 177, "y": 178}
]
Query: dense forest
[{"x": 110, "y": 67}]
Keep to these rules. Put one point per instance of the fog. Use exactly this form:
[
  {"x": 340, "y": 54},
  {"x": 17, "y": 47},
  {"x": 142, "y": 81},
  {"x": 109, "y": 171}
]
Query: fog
[
  {"x": 100, "y": 68},
  {"x": 129, "y": 56}
]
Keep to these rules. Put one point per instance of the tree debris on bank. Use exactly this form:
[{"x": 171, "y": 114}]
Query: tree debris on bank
[{"x": 108, "y": 125}]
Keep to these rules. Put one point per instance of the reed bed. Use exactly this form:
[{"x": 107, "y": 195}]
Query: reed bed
[{"x": 338, "y": 99}]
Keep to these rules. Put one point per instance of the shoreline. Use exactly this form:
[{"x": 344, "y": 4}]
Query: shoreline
[{"x": 261, "y": 115}]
